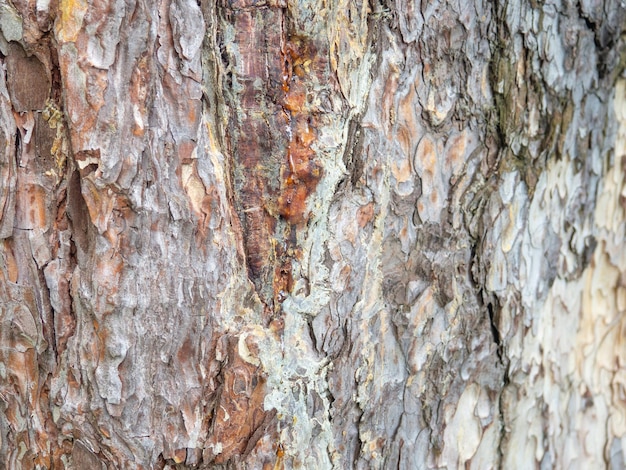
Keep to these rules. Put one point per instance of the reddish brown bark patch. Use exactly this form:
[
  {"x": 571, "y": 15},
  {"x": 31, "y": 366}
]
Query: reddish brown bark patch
[
  {"x": 257, "y": 135},
  {"x": 27, "y": 80}
]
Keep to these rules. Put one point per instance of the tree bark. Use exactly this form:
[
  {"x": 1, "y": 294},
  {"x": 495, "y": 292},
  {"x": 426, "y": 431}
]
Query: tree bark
[{"x": 279, "y": 234}]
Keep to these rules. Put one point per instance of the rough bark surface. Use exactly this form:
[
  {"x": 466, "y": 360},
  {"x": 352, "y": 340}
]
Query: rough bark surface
[{"x": 280, "y": 234}]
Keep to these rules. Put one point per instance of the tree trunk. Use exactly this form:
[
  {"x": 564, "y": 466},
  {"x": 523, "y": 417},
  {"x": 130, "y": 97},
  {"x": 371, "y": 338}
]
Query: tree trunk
[{"x": 269, "y": 233}]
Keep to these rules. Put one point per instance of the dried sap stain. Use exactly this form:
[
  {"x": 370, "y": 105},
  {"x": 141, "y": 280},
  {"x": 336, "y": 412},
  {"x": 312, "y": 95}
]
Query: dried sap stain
[
  {"x": 274, "y": 128},
  {"x": 300, "y": 172}
]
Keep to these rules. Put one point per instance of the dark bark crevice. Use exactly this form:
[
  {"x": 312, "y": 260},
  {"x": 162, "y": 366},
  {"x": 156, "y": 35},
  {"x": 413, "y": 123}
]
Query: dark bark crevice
[{"x": 79, "y": 218}]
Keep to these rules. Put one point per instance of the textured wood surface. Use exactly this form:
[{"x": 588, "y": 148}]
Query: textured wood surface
[{"x": 278, "y": 234}]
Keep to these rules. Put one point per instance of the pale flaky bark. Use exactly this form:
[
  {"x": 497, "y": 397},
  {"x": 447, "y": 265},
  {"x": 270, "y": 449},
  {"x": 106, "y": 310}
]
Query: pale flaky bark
[{"x": 314, "y": 234}]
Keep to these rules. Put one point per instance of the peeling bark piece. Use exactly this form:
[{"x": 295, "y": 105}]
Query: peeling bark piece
[
  {"x": 10, "y": 23},
  {"x": 187, "y": 27},
  {"x": 82, "y": 457},
  {"x": 27, "y": 80}
]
